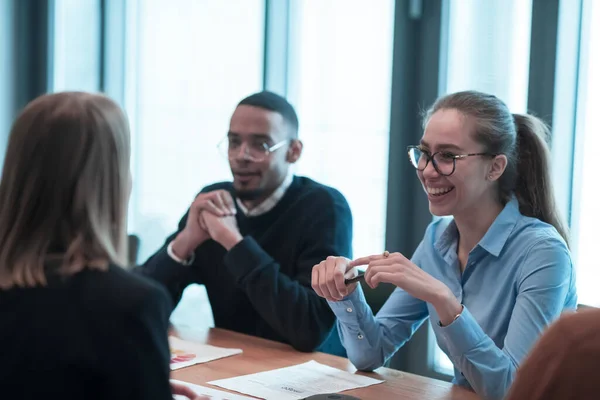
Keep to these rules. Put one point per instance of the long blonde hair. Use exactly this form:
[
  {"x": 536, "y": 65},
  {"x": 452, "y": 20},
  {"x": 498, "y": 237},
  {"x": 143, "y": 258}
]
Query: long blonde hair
[{"x": 64, "y": 189}]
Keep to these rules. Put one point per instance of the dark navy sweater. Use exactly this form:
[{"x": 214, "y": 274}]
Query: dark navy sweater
[{"x": 262, "y": 286}]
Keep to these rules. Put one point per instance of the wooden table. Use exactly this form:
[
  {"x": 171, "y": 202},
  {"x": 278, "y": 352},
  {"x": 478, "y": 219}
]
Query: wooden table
[{"x": 262, "y": 355}]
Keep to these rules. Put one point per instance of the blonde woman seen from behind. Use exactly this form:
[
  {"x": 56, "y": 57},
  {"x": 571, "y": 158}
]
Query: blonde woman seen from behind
[{"x": 74, "y": 324}]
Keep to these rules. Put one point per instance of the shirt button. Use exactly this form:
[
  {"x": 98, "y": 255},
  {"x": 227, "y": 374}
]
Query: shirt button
[
  {"x": 349, "y": 309},
  {"x": 360, "y": 337}
]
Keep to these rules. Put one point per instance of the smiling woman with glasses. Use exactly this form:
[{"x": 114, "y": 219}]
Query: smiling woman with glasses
[{"x": 490, "y": 277}]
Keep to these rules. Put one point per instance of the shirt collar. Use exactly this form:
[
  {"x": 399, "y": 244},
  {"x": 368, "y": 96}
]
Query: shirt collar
[
  {"x": 496, "y": 236},
  {"x": 494, "y": 239},
  {"x": 270, "y": 202}
]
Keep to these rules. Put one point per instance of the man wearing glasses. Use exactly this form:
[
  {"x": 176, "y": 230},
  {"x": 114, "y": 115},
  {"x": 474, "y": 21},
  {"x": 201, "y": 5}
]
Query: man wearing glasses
[{"x": 253, "y": 242}]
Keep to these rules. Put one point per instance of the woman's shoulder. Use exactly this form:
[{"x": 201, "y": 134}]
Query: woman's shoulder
[
  {"x": 117, "y": 288},
  {"x": 543, "y": 256},
  {"x": 532, "y": 233},
  {"x": 119, "y": 276}
]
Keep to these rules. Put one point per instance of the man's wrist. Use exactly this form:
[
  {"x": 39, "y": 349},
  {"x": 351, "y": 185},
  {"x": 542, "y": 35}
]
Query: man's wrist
[
  {"x": 182, "y": 248},
  {"x": 230, "y": 240}
]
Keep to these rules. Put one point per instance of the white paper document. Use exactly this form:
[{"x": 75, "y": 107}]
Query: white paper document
[
  {"x": 185, "y": 353},
  {"x": 210, "y": 393},
  {"x": 296, "y": 382}
]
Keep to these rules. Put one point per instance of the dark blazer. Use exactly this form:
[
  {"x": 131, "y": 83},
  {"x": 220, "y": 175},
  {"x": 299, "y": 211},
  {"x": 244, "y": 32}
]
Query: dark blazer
[{"x": 93, "y": 335}]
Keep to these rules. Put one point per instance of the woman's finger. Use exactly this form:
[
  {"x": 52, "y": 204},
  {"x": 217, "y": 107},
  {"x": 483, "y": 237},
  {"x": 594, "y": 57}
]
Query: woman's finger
[
  {"x": 323, "y": 280},
  {"x": 339, "y": 277},
  {"x": 380, "y": 277},
  {"x": 364, "y": 261},
  {"x": 315, "y": 279},
  {"x": 389, "y": 261},
  {"x": 385, "y": 268}
]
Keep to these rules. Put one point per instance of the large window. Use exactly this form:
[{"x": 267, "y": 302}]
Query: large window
[
  {"x": 585, "y": 216},
  {"x": 484, "y": 55},
  {"x": 340, "y": 80},
  {"x": 179, "y": 67},
  {"x": 76, "y": 46},
  {"x": 188, "y": 64},
  {"x": 6, "y": 74}
]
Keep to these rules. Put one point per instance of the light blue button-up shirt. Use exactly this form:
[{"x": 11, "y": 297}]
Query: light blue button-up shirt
[{"x": 518, "y": 279}]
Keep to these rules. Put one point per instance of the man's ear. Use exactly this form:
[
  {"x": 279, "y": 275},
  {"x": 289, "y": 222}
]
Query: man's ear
[{"x": 294, "y": 151}]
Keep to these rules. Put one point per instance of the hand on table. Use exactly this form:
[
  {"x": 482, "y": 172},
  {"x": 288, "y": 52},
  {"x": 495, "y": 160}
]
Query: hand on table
[{"x": 183, "y": 390}]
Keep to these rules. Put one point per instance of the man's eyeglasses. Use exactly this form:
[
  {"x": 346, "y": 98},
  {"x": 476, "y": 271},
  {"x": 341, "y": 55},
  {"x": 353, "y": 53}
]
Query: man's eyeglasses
[
  {"x": 444, "y": 162},
  {"x": 253, "y": 150}
]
